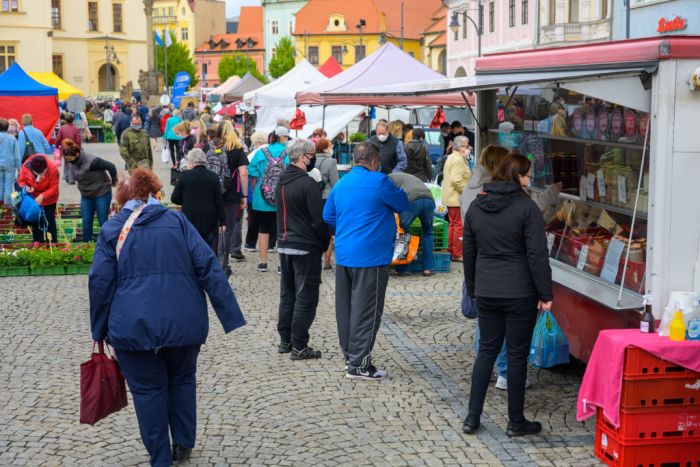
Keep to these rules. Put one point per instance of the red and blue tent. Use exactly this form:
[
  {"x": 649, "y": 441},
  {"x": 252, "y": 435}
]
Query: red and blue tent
[{"x": 21, "y": 94}]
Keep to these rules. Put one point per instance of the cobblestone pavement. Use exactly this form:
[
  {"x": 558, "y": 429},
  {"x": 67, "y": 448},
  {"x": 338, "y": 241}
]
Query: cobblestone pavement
[{"x": 256, "y": 407}]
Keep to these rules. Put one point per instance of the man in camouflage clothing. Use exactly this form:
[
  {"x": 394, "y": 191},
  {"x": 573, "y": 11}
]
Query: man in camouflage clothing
[{"x": 135, "y": 147}]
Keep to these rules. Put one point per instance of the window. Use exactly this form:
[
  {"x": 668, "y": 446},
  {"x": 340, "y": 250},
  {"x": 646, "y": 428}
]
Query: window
[
  {"x": 56, "y": 14},
  {"x": 313, "y": 55},
  {"x": 275, "y": 27},
  {"x": 7, "y": 56},
  {"x": 337, "y": 52},
  {"x": 117, "y": 17},
  {"x": 604, "y": 10},
  {"x": 155, "y": 12},
  {"x": 552, "y": 10},
  {"x": 9, "y": 6},
  {"x": 184, "y": 34},
  {"x": 171, "y": 11},
  {"x": 57, "y": 63},
  {"x": 204, "y": 69},
  {"x": 511, "y": 13},
  {"x": 360, "y": 52},
  {"x": 93, "y": 21},
  {"x": 183, "y": 11},
  {"x": 492, "y": 16},
  {"x": 291, "y": 28},
  {"x": 524, "y": 14},
  {"x": 573, "y": 11},
  {"x": 464, "y": 26}
]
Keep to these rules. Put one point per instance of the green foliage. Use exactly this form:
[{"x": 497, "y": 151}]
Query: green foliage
[
  {"x": 179, "y": 59},
  {"x": 42, "y": 256},
  {"x": 238, "y": 65},
  {"x": 357, "y": 137},
  {"x": 283, "y": 59}
]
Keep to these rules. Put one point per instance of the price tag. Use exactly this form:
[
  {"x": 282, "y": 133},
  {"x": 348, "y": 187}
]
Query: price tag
[
  {"x": 550, "y": 242},
  {"x": 582, "y": 187},
  {"x": 582, "y": 258},
  {"x": 601, "y": 183},
  {"x": 612, "y": 260},
  {"x": 590, "y": 186},
  {"x": 622, "y": 189}
]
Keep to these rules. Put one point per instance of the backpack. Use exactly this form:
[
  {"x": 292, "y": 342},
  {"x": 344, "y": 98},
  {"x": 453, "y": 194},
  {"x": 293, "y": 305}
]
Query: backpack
[
  {"x": 271, "y": 176},
  {"x": 217, "y": 162},
  {"x": 28, "y": 147}
]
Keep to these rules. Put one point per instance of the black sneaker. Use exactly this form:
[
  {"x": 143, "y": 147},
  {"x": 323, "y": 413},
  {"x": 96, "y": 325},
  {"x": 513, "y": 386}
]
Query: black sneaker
[
  {"x": 238, "y": 256},
  {"x": 470, "y": 425},
  {"x": 180, "y": 453},
  {"x": 284, "y": 347},
  {"x": 262, "y": 267},
  {"x": 247, "y": 247},
  {"x": 306, "y": 354},
  {"x": 523, "y": 428},
  {"x": 371, "y": 373}
]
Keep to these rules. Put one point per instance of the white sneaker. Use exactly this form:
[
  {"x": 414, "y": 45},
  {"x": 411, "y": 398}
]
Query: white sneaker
[{"x": 502, "y": 383}]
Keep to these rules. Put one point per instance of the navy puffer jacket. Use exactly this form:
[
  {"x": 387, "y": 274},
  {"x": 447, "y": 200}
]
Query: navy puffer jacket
[{"x": 153, "y": 296}]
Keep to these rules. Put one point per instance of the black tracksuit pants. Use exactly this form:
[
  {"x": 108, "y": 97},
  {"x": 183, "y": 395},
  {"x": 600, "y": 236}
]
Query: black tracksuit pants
[
  {"x": 359, "y": 304},
  {"x": 299, "y": 283}
]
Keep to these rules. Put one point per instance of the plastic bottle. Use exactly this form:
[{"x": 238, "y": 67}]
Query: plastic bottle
[{"x": 677, "y": 332}]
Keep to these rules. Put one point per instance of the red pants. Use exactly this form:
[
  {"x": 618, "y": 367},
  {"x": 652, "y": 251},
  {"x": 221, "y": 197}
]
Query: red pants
[{"x": 455, "y": 232}]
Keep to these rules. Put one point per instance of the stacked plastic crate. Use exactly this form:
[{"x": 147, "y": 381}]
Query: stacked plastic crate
[
  {"x": 441, "y": 257},
  {"x": 659, "y": 416}
]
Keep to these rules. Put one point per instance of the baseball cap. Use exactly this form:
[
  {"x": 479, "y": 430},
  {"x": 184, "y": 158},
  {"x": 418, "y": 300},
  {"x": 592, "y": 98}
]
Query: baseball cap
[{"x": 281, "y": 131}]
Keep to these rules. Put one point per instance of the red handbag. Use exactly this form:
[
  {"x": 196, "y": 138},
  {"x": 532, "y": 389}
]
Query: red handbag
[{"x": 102, "y": 387}]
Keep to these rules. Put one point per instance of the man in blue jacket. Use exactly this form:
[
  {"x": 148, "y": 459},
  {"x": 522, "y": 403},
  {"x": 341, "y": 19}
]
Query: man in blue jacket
[{"x": 361, "y": 207}]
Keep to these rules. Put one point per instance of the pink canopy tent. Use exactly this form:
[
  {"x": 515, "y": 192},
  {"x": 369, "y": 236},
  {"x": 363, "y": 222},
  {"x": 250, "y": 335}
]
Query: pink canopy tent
[
  {"x": 387, "y": 65},
  {"x": 330, "y": 68}
]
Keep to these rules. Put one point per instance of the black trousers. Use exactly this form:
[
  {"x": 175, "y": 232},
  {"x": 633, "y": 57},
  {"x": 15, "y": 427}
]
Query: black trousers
[
  {"x": 172, "y": 146},
  {"x": 359, "y": 305},
  {"x": 299, "y": 283},
  {"x": 39, "y": 235},
  {"x": 512, "y": 319},
  {"x": 251, "y": 237},
  {"x": 164, "y": 388}
]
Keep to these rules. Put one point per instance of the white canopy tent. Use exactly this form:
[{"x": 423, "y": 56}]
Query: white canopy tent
[{"x": 277, "y": 100}]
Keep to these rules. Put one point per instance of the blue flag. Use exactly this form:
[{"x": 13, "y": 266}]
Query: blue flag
[{"x": 159, "y": 41}]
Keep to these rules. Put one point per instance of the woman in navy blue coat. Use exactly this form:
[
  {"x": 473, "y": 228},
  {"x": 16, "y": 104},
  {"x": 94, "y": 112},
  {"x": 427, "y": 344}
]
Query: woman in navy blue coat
[{"x": 148, "y": 302}]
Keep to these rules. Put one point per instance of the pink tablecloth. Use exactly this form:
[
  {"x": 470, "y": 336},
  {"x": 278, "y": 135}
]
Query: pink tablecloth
[{"x": 602, "y": 382}]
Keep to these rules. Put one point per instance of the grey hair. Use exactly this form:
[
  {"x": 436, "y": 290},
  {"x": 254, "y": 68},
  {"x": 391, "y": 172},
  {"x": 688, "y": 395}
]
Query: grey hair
[
  {"x": 365, "y": 153},
  {"x": 196, "y": 157},
  {"x": 258, "y": 137},
  {"x": 382, "y": 123},
  {"x": 298, "y": 148},
  {"x": 460, "y": 142},
  {"x": 177, "y": 112}
]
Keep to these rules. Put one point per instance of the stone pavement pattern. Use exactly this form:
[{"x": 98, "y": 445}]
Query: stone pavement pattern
[{"x": 256, "y": 407}]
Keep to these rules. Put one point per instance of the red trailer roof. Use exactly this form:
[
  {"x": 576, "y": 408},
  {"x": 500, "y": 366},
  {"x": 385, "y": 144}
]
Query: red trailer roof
[{"x": 611, "y": 54}]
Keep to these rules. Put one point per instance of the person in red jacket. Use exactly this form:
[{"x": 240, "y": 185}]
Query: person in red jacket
[{"x": 40, "y": 178}]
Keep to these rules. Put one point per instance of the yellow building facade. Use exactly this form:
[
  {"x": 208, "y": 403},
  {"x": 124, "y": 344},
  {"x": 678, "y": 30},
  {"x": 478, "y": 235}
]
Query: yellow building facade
[
  {"x": 191, "y": 28},
  {"x": 79, "y": 40}
]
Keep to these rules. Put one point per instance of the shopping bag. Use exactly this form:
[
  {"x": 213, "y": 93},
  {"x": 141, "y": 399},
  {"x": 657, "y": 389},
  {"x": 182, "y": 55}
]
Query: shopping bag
[
  {"x": 468, "y": 303},
  {"x": 549, "y": 345},
  {"x": 174, "y": 176},
  {"x": 102, "y": 387},
  {"x": 57, "y": 156},
  {"x": 436, "y": 191},
  {"x": 29, "y": 210},
  {"x": 165, "y": 155},
  {"x": 405, "y": 246}
]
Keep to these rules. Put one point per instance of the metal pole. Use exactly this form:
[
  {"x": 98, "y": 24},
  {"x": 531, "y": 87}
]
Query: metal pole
[
  {"x": 109, "y": 66},
  {"x": 481, "y": 26},
  {"x": 323, "y": 119},
  {"x": 401, "y": 39},
  {"x": 165, "y": 59}
]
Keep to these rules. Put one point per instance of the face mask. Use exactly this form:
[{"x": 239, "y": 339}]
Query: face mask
[
  {"x": 382, "y": 138},
  {"x": 136, "y": 127},
  {"x": 445, "y": 133},
  {"x": 12, "y": 129},
  {"x": 194, "y": 131},
  {"x": 311, "y": 165}
]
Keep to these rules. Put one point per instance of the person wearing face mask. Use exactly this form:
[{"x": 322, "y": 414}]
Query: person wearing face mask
[
  {"x": 95, "y": 178},
  {"x": 506, "y": 268},
  {"x": 328, "y": 167},
  {"x": 361, "y": 208},
  {"x": 302, "y": 238},
  {"x": 13, "y": 127},
  {"x": 39, "y": 176},
  {"x": 445, "y": 136},
  {"x": 456, "y": 175},
  {"x": 135, "y": 147},
  {"x": 391, "y": 151}
]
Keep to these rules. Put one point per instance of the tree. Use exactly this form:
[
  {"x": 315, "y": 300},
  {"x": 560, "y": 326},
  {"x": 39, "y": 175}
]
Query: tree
[
  {"x": 283, "y": 59},
  {"x": 179, "y": 59},
  {"x": 238, "y": 65}
]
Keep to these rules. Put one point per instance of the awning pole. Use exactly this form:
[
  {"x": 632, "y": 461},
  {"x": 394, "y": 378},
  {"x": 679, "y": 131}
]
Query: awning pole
[
  {"x": 323, "y": 119},
  {"x": 510, "y": 97},
  {"x": 471, "y": 110}
]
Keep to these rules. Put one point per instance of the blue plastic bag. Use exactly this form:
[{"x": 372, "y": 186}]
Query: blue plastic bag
[
  {"x": 549, "y": 344},
  {"x": 468, "y": 303},
  {"x": 29, "y": 210}
]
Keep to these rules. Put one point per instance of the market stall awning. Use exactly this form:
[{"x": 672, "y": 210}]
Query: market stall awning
[
  {"x": 246, "y": 84},
  {"x": 20, "y": 94},
  {"x": 65, "y": 90},
  {"x": 226, "y": 85}
]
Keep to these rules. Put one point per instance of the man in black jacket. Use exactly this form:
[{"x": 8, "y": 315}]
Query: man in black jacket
[
  {"x": 302, "y": 237},
  {"x": 198, "y": 191}
]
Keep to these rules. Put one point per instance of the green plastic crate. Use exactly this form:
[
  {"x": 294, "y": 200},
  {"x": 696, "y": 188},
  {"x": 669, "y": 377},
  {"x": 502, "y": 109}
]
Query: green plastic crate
[{"x": 440, "y": 232}]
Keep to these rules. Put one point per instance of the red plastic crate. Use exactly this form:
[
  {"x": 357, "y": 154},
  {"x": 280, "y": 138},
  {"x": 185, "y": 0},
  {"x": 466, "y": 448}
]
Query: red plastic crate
[
  {"x": 640, "y": 364},
  {"x": 647, "y": 452},
  {"x": 640, "y": 424},
  {"x": 660, "y": 392}
]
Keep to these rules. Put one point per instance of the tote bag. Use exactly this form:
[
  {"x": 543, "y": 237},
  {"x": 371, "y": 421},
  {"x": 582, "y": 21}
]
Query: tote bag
[{"x": 102, "y": 387}]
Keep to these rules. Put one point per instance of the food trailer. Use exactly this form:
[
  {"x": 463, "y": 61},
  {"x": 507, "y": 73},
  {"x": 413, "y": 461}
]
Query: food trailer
[{"x": 617, "y": 125}]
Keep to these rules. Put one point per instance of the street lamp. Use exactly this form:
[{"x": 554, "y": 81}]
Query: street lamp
[
  {"x": 360, "y": 26},
  {"x": 110, "y": 56},
  {"x": 454, "y": 23}
]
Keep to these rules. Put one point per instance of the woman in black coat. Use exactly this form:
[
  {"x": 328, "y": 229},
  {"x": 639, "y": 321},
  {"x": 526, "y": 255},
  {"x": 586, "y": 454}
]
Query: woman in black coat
[{"x": 506, "y": 268}]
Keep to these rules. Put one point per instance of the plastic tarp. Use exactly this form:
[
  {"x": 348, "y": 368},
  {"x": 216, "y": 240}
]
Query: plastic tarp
[
  {"x": 21, "y": 94},
  {"x": 387, "y": 65},
  {"x": 246, "y": 84},
  {"x": 276, "y": 101},
  {"x": 65, "y": 90}
]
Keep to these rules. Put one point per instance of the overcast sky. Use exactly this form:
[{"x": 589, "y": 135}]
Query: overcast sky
[{"x": 234, "y": 6}]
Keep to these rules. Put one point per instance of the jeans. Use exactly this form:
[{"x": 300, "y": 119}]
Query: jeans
[
  {"x": 299, "y": 284},
  {"x": 501, "y": 361},
  {"x": 422, "y": 208},
  {"x": 455, "y": 232},
  {"x": 512, "y": 319},
  {"x": 7, "y": 185},
  {"x": 88, "y": 207},
  {"x": 39, "y": 235}
]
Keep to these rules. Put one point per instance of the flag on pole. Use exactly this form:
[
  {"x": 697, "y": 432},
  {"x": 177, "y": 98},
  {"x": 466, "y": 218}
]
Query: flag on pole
[
  {"x": 168, "y": 39},
  {"x": 159, "y": 41},
  {"x": 192, "y": 4}
]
